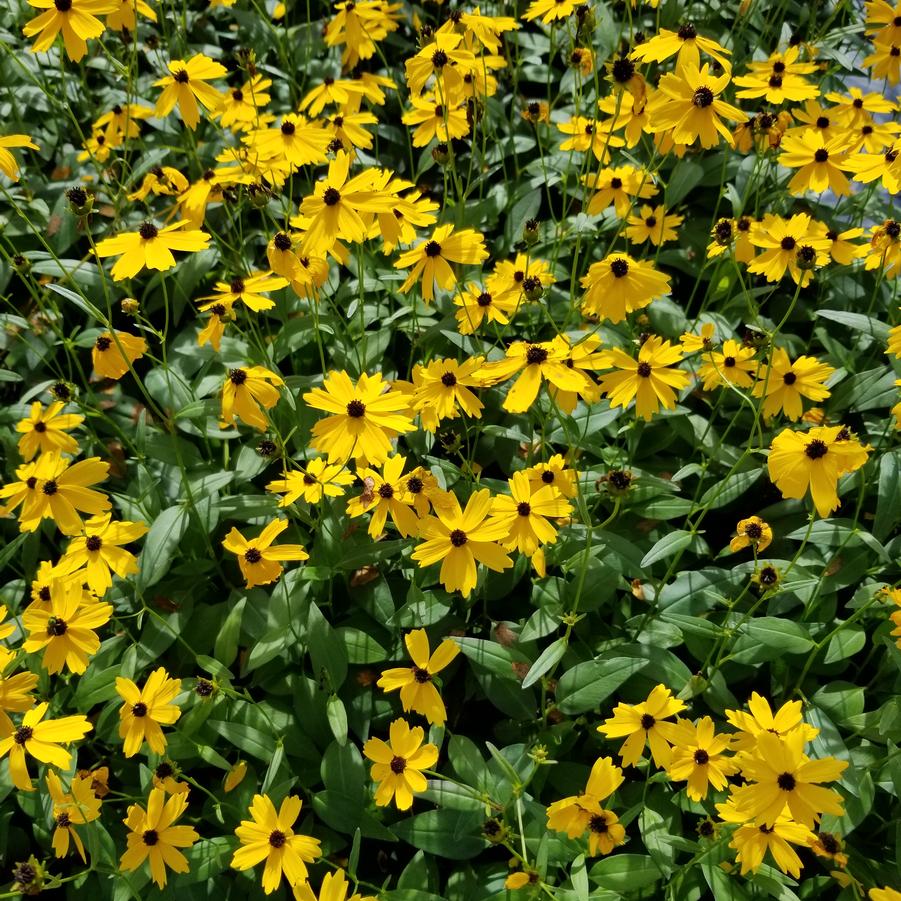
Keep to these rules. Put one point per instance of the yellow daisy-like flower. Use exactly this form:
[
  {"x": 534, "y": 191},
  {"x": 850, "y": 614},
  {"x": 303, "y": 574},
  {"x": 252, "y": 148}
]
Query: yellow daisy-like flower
[
  {"x": 316, "y": 480},
  {"x": 550, "y": 10},
  {"x": 699, "y": 758},
  {"x": 819, "y": 163},
  {"x": 246, "y": 393},
  {"x": 792, "y": 245},
  {"x": 751, "y": 532},
  {"x": 752, "y": 841},
  {"x": 383, "y": 494},
  {"x": 145, "y": 709},
  {"x": 261, "y": 561},
  {"x": 112, "y": 355},
  {"x": 334, "y": 888},
  {"x": 250, "y": 290},
  {"x": 151, "y": 247},
  {"x": 70, "y": 809},
  {"x": 76, "y": 19},
  {"x": 476, "y": 305},
  {"x": 619, "y": 285},
  {"x": 685, "y": 44},
  {"x": 125, "y": 16},
  {"x": 733, "y": 365},
  {"x": 185, "y": 84},
  {"x": 431, "y": 259},
  {"x": 443, "y": 390},
  {"x": 761, "y": 719},
  {"x": 8, "y": 164},
  {"x": 45, "y": 430},
  {"x": 619, "y": 186},
  {"x": 783, "y": 383},
  {"x": 653, "y": 224},
  {"x": 398, "y": 764}
]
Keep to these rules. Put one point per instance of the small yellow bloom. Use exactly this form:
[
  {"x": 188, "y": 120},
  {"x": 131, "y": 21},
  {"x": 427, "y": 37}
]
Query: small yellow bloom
[
  {"x": 398, "y": 764},
  {"x": 145, "y": 709},
  {"x": 260, "y": 560}
]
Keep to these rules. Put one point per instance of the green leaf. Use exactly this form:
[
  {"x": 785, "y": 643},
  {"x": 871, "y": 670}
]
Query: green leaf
[
  {"x": 670, "y": 544},
  {"x": 587, "y": 684},
  {"x": 625, "y": 872},
  {"x": 549, "y": 658},
  {"x": 769, "y": 637},
  {"x": 160, "y": 546},
  {"x": 448, "y": 833}
]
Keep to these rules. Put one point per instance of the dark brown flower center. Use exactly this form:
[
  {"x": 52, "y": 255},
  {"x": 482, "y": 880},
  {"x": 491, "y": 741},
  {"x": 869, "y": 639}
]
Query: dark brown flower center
[
  {"x": 421, "y": 675},
  {"x": 139, "y": 709},
  {"x": 647, "y": 722},
  {"x": 703, "y": 97},
  {"x": 816, "y": 449},
  {"x": 386, "y": 491},
  {"x": 822, "y": 122},
  {"x": 829, "y": 842},
  {"x": 644, "y": 369},
  {"x": 150, "y": 837},
  {"x": 236, "y": 286},
  {"x": 448, "y": 380},
  {"x": 484, "y": 299},
  {"x": 288, "y": 128},
  {"x": 282, "y": 241},
  {"x": 547, "y": 477},
  {"x": 598, "y": 824},
  {"x": 414, "y": 485},
  {"x": 253, "y": 555},
  {"x": 753, "y": 531},
  {"x": 330, "y": 196},
  {"x": 56, "y": 626},
  {"x": 535, "y": 356},
  {"x": 786, "y": 781},
  {"x": 687, "y": 32},
  {"x": 94, "y": 542},
  {"x": 164, "y": 770},
  {"x": 181, "y": 76},
  {"x": 103, "y": 343},
  {"x": 433, "y": 249},
  {"x": 50, "y": 488},
  {"x": 821, "y": 155},
  {"x": 439, "y": 59},
  {"x": 457, "y": 538},
  {"x": 623, "y": 70},
  {"x": 62, "y": 820},
  {"x": 619, "y": 268},
  {"x": 277, "y": 838},
  {"x": 701, "y": 757},
  {"x": 23, "y": 734},
  {"x": 356, "y": 409},
  {"x": 523, "y": 508},
  {"x": 237, "y": 376},
  {"x": 148, "y": 231},
  {"x": 616, "y": 183},
  {"x": 787, "y": 243},
  {"x": 40, "y": 426}
]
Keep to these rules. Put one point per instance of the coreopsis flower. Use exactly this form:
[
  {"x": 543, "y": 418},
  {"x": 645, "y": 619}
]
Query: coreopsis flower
[
  {"x": 761, "y": 719},
  {"x": 525, "y": 276},
  {"x": 337, "y": 91},
  {"x": 431, "y": 259},
  {"x": 96, "y": 147},
  {"x": 531, "y": 364},
  {"x": 550, "y": 10},
  {"x": 460, "y": 539},
  {"x": 435, "y": 119},
  {"x": 784, "y": 242},
  {"x": 269, "y": 836},
  {"x": 240, "y": 107},
  {"x": 62, "y": 490},
  {"x": 653, "y": 224},
  {"x": 15, "y": 693},
  {"x": 885, "y": 60},
  {"x": 163, "y": 181},
  {"x": 829, "y": 845},
  {"x": 650, "y": 381},
  {"x": 350, "y": 129},
  {"x": 446, "y": 61},
  {"x": 246, "y": 393},
  {"x": 733, "y": 365},
  {"x": 398, "y": 764},
  {"x": 70, "y": 809},
  {"x": 884, "y": 894},
  {"x": 154, "y": 836},
  {"x": 98, "y": 551},
  {"x": 165, "y": 777},
  {"x": 783, "y": 779},
  {"x": 685, "y": 44},
  {"x": 41, "y": 739},
  {"x": 487, "y": 30},
  {"x": 185, "y": 84},
  {"x": 122, "y": 121},
  {"x": 316, "y": 480},
  {"x": 589, "y": 134},
  {"x": 687, "y": 105},
  {"x": 553, "y": 473},
  {"x": 618, "y": 285},
  {"x": 475, "y": 304},
  {"x": 363, "y": 419},
  {"x": 250, "y": 290},
  {"x": 699, "y": 758},
  {"x": 732, "y": 234},
  {"x": 220, "y": 314},
  {"x": 9, "y": 166},
  {"x": 145, "y": 710},
  {"x": 819, "y": 163},
  {"x": 125, "y": 16},
  {"x": 443, "y": 390},
  {"x": 751, "y": 532},
  {"x": 113, "y": 355},
  {"x": 775, "y": 87},
  {"x": 645, "y": 723},
  {"x": 261, "y": 561},
  {"x": 842, "y": 248},
  {"x": 417, "y": 687},
  {"x": 63, "y": 626},
  {"x": 580, "y": 813},
  {"x": 385, "y": 494},
  {"x": 783, "y": 383},
  {"x": 870, "y": 167},
  {"x": 76, "y": 19},
  {"x": 885, "y": 247},
  {"x": 856, "y": 108},
  {"x": 412, "y": 211},
  {"x": 752, "y": 841},
  {"x": 537, "y": 111},
  {"x": 814, "y": 460},
  {"x": 151, "y": 247},
  {"x": 629, "y": 116},
  {"x": 619, "y": 186},
  {"x": 46, "y": 429},
  {"x": 334, "y": 888},
  {"x": 582, "y": 357}
]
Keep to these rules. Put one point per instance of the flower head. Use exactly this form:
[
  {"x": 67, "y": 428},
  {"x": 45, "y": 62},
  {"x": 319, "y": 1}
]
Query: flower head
[
  {"x": 145, "y": 709},
  {"x": 398, "y": 764},
  {"x": 261, "y": 560},
  {"x": 645, "y": 722}
]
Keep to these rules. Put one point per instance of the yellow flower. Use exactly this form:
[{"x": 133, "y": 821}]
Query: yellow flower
[
  {"x": 476, "y": 304},
  {"x": 431, "y": 259},
  {"x": 446, "y": 61},
  {"x": 154, "y": 836},
  {"x": 383, "y": 494},
  {"x": 814, "y": 460},
  {"x": 698, "y": 758},
  {"x": 784, "y": 383},
  {"x": 359, "y": 26},
  {"x": 220, "y": 315},
  {"x": 63, "y": 626},
  {"x": 77, "y": 19},
  {"x": 644, "y": 722},
  {"x": 151, "y": 247},
  {"x": 618, "y": 185},
  {"x": 186, "y": 84},
  {"x": 165, "y": 777},
  {"x": 732, "y": 365},
  {"x": 885, "y": 60},
  {"x": 819, "y": 163},
  {"x": 334, "y": 888},
  {"x": 8, "y": 164},
  {"x": 460, "y": 539},
  {"x": 618, "y": 285},
  {"x": 245, "y": 392},
  {"x": 260, "y": 560},
  {"x": 364, "y": 417},
  {"x": 794, "y": 245},
  {"x": 653, "y": 224},
  {"x": 71, "y": 809},
  {"x": 125, "y": 16},
  {"x": 884, "y": 894},
  {"x": 235, "y": 776},
  {"x": 249, "y": 290},
  {"x": 268, "y": 836},
  {"x": 752, "y": 841},
  {"x": 398, "y": 764},
  {"x": 590, "y": 134},
  {"x": 761, "y": 719},
  {"x": 433, "y": 119},
  {"x": 443, "y": 390},
  {"x": 296, "y": 142},
  {"x": 753, "y": 532},
  {"x": 316, "y": 480},
  {"x": 550, "y": 10},
  {"x": 240, "y": 107},
  {"x": 417, "y": 690},
  {"x": 685, "y": 44},
  {"x": 554, "y": 474},
  {"x": 145, "y": 709},
  {"x": 651, "y": 380},
  {"x": 41, "y": 739},
  {"x": 45, "y": 430},
  {"x": 828, "y": 845}
]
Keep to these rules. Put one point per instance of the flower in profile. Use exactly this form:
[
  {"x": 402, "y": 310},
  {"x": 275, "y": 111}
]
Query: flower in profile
[
  {"x": 699, "y": 758},
  {"x": 431, "y": 259},
  {"x": 334, "y": 888},
  {"x": 151, "y": 247},
  {"x": 145, "y": 709},
  {"x": 819, "y": 163},
  {"x": 8, "y": 164},
  {"x": 363, "y": 419},
  {"x": 250, "y": 290},
  {"x": 113, "y": 355},
  {"x": 761, "y": 719},
  {"x": 417, "y": 688},
  {"x": 618, "y": 285},
  {"x": 733, "y": 365},
  {"x": 645, "y": 723},
  {"x": 752, "y": 841},
  {"x": 650, "y": 381},
  {"x": 45, "y": 430},
  {"x": 653, "y": 224},
  {"x": 76, "y": 19},
  {"x": 15, "y": 691},
  {"x": 752, "y": 532},
  {"x": 165, "y": 776},
  {"x": 185, "y": 84},
  {"x": 154, "y": 836},
  {"x": 580, "y": 813},
  {"x": 220, "y": 315},
  {"x": 316, "y": 480},
  {"x": 443, "y": 390},
  {"x": 63, "y": 626},
  {"x": 260, "y": 560},
  {"x": 460, "y": 539},
  {"x": 815, "y": 460},
  {"x": 70, "y": 809},
  {"x": 269, "y": 836},
  {"x": 125, "y": 16},
  {"x": 41, "y": 739},
  {"x": 783, "y": 383},
  {"x": 550, "y": 10},
  {"x": 246, "y": 393},
  {"x": 398, "y": 764},
  {"x": 829, "y": 845}
]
